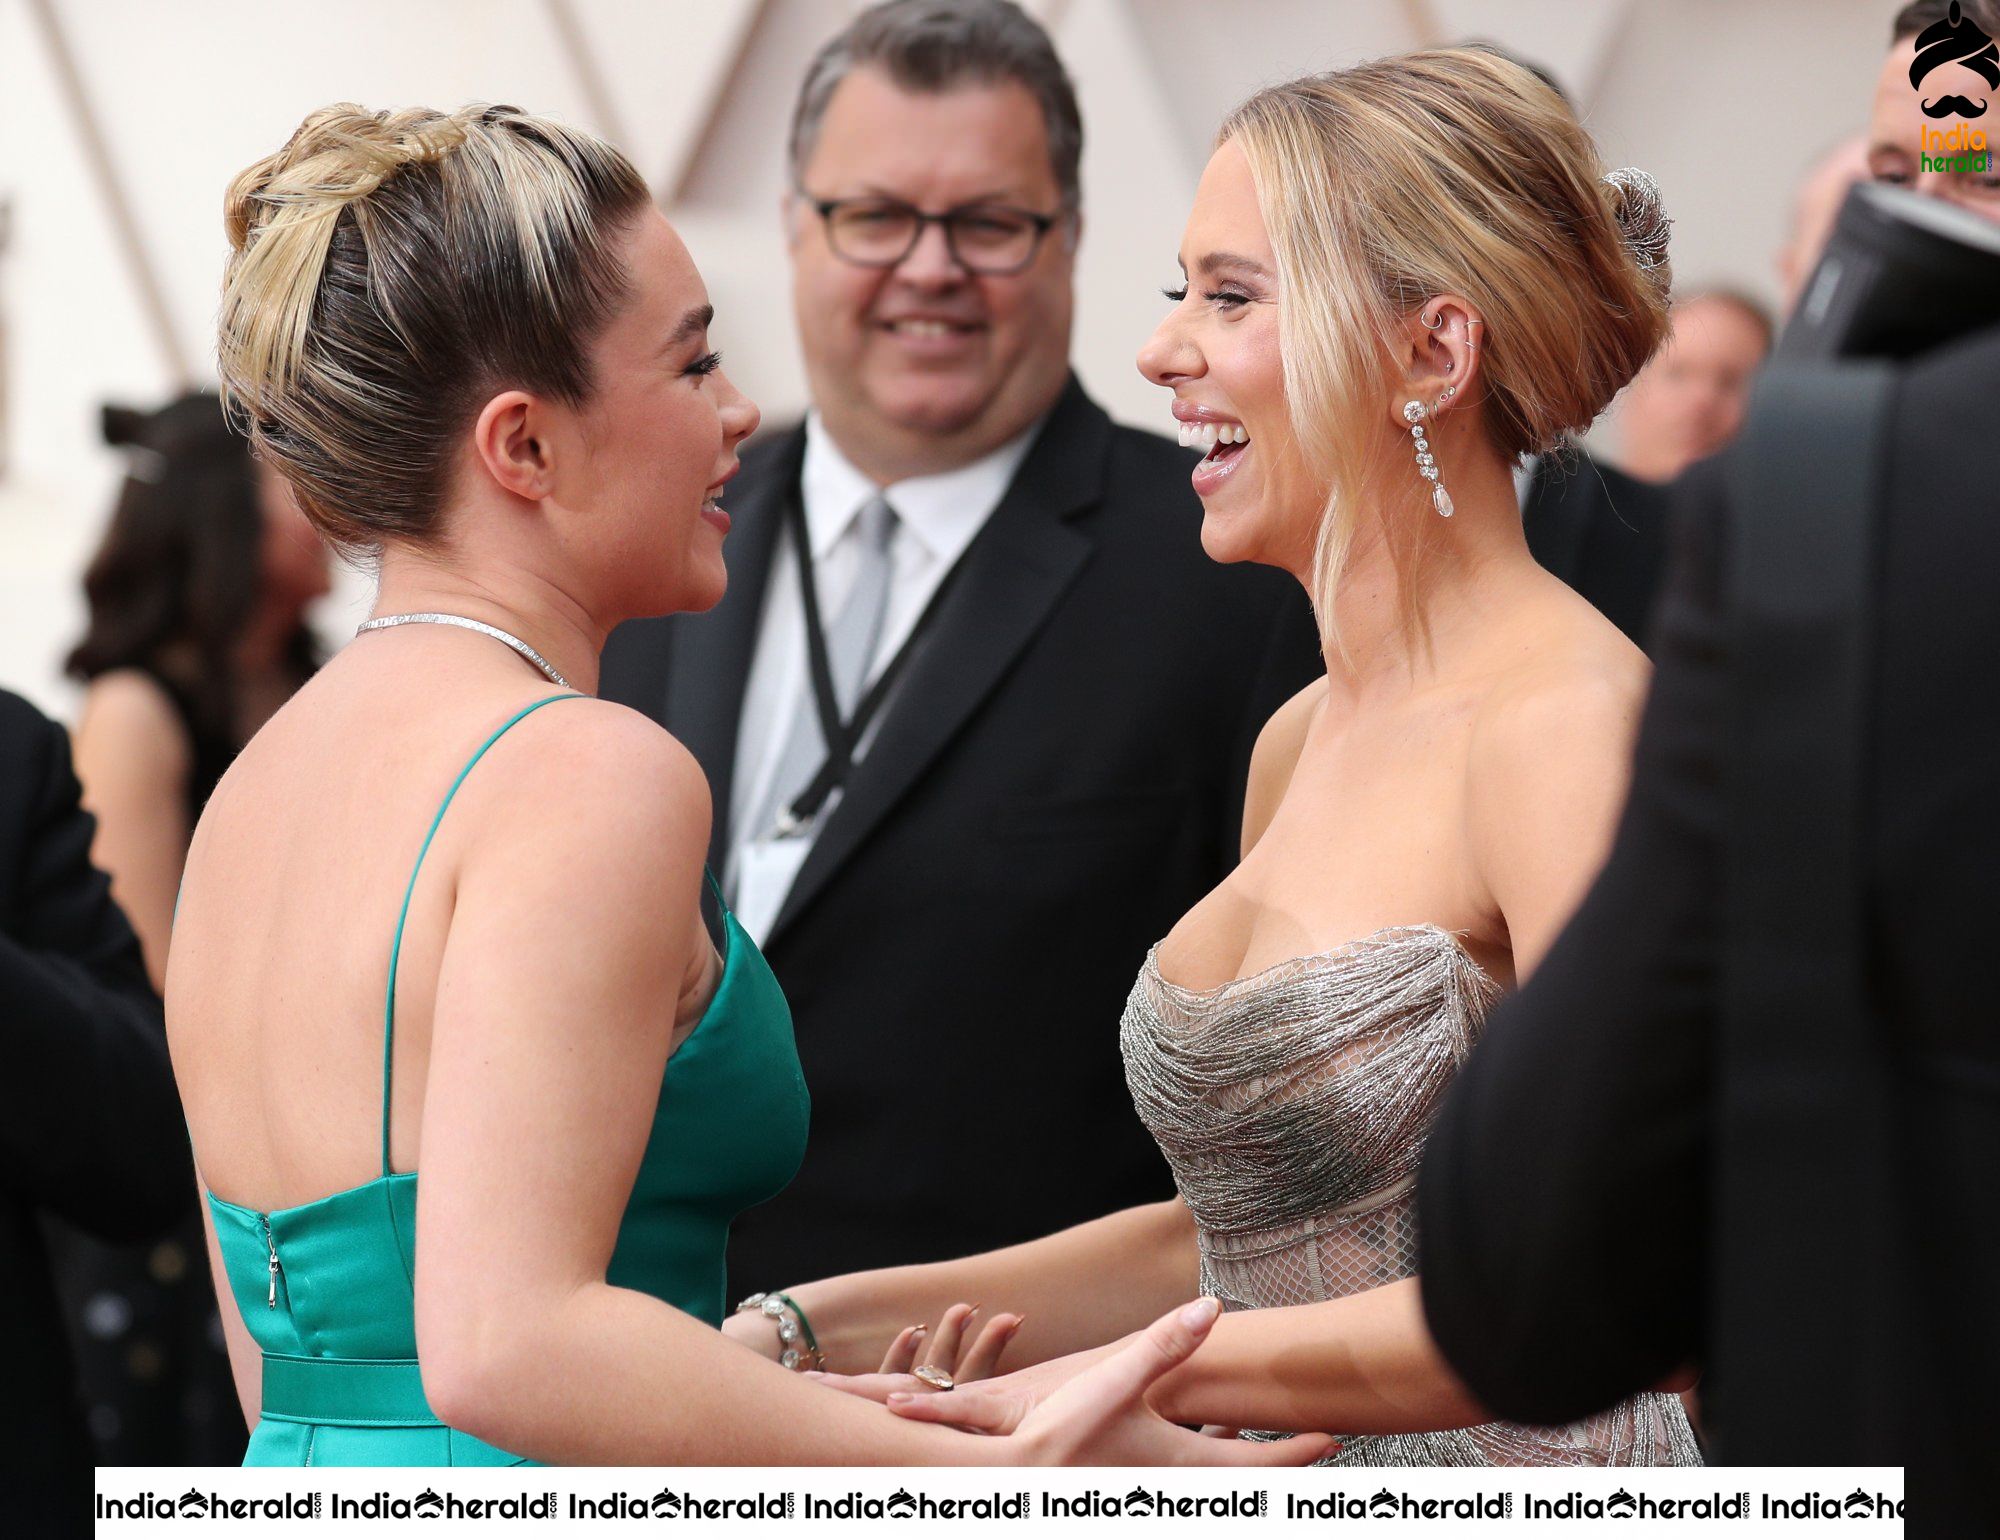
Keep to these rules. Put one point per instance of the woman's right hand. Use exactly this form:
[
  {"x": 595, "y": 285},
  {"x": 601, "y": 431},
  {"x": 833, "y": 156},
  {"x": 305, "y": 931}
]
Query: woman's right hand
[{"x": 1101, "y": 1416}]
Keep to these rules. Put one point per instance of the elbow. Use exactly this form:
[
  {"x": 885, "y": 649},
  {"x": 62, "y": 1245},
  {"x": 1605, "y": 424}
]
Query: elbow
[{"x": 471, "y": 1355}]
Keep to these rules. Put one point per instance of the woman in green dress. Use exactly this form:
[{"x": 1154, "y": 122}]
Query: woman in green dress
[{"x": 447, "y": 909}]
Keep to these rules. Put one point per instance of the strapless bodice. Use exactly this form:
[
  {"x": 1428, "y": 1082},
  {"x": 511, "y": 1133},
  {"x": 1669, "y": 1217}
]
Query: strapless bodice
[{"x": 1293, "y": 1105}]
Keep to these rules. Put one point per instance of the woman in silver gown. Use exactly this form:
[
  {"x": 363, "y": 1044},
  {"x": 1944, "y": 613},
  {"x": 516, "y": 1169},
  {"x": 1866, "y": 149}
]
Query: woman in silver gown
[{"x": 1401, "y": 279}]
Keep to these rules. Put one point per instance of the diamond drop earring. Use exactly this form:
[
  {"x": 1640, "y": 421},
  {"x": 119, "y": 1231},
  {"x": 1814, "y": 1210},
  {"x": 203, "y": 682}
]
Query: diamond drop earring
[{"x": 1414, "y": 413}]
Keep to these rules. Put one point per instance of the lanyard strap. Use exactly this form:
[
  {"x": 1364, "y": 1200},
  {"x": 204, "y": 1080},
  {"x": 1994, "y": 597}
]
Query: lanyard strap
[{"x": 842, "y": 736}]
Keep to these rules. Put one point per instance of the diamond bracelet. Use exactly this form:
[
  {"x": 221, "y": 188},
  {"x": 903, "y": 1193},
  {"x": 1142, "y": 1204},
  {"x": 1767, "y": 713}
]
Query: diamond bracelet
[{"x": 799, "y": 1348}]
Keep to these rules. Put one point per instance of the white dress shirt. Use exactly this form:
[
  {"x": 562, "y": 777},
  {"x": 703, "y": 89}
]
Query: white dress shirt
[{"x": 937, "y": 517}]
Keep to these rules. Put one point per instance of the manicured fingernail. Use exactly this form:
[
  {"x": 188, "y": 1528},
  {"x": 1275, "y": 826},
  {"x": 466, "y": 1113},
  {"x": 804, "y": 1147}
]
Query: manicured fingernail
[
  {"x": 1201, "y": 1312},
  {"x": 897, "y": 1397}
]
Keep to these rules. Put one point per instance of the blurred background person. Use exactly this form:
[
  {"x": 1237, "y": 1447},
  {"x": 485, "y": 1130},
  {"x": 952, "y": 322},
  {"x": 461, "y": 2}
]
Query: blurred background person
[
  {"x": 90, "y": 1127},
  {"x": 1820, "y": 194},
  {"x": 197, "y": 634},
  {"x": 1064, "y": 689},
  {"x": 1689, "y": 401}
]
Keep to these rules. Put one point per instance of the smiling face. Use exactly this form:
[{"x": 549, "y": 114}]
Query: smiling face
[
  {"x": 645, "y": 458},
  {"x": 1218, "y": 352},
  {"x": 1897, "y": 128},
  {"x": 926, "y": 366}
]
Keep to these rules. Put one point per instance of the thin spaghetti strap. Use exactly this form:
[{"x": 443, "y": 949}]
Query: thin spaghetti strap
[{"x": 396, "y": 946}]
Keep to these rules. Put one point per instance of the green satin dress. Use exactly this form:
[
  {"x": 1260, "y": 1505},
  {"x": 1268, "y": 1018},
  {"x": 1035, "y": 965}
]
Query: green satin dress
[{"x": 326, "y": 1289}]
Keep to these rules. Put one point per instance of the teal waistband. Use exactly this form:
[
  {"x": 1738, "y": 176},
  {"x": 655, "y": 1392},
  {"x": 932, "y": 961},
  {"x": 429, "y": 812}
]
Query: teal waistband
[{"x": 353, "y": 1392}]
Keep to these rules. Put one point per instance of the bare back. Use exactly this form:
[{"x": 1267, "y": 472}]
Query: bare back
[{"x": 295, "y": 883}]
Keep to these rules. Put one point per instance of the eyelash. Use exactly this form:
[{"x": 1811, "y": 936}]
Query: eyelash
[
  {"x": 708, "y": 363},
  {"x": 1223, "y": 297}
]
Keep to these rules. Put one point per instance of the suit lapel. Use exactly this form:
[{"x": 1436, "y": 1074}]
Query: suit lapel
[
  {"x": 1005, "y": 585},
  {"x": 710, "y": 665}
]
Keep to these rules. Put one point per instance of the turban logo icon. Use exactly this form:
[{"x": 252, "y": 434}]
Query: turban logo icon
[{"x": 1955, "y": 40}]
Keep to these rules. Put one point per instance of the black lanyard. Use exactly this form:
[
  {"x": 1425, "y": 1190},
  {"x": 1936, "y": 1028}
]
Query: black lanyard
[{"x": 842, "y": 737}]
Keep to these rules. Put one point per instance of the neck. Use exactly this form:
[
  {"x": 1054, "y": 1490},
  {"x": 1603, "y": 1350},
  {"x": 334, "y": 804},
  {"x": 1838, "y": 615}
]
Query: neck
[
  {"x": 508, "y": 597},
  {"x": 1463, "y": 565}
]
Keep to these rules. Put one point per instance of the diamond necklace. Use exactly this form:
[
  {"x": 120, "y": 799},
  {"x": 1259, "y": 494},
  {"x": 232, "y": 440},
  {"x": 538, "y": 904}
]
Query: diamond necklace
[{"x": 383, "y": 622}]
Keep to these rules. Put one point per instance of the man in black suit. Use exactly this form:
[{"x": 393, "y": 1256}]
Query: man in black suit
[
  {"x": 1056, "y": 692},
  {"x": 1747, "y": 1114},
  {"x": 90, "y": 1126}
]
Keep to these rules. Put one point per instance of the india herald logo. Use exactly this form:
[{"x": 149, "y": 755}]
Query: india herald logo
[{"x": 1955, "y": 40}]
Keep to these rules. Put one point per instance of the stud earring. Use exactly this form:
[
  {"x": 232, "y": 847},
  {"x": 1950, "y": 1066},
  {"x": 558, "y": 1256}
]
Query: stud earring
[{"x": 1414, "y": 413}]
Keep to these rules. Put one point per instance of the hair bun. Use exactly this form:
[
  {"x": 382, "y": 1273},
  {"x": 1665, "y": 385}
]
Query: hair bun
[
  {"x": 1642, "y": 217},
  {"x": 339, "y": 154}
]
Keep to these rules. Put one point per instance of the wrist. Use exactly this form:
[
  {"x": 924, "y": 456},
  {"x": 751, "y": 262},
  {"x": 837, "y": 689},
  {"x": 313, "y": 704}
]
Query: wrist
[{"x": 785, "y": 1334}]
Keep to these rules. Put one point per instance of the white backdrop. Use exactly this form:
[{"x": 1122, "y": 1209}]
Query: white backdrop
[{"x": 1725, "y": 101}]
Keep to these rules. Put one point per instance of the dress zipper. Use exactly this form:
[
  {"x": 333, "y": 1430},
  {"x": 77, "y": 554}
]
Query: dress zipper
[{"x": 272, "y": 1300}]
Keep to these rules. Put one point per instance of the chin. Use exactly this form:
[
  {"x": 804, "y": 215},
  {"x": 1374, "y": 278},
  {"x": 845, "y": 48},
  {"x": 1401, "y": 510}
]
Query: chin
[
  {"x": 704, "y": 591},
  {"x": 1228, "y": 537},
  {"x": 938, "y": 404}
]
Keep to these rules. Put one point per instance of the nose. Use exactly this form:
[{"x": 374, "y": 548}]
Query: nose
[
  {"x": 1168, "y": 357},
  {"x": 930, "y": 263},
  {"x": 740, "y": 415}
]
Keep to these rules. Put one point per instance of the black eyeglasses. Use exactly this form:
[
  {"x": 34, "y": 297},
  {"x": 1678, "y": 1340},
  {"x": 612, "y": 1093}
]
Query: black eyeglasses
[{"x": 987, "y": 238}]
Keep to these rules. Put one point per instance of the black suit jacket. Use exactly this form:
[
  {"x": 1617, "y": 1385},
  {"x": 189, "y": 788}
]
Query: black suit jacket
[
  {"x": 90, "y": 1127},
  {"x": 1568, "y": 1252},
  {"x": 1602, "y": 532},
  {"x": 1057, "y": 779}
]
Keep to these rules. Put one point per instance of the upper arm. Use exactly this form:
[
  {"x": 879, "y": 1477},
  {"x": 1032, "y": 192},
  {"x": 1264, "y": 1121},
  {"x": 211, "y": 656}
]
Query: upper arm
[
  {"x": 1548, "y": 769},
  {"x": 1274, "y": 758},
  {"x": 575, "y": 922},
  {"x": 134, "y": 759}
]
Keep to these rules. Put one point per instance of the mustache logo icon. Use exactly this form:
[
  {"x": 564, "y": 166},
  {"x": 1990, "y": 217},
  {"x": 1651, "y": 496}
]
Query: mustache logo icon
[{"x": 1955, "y": 40}]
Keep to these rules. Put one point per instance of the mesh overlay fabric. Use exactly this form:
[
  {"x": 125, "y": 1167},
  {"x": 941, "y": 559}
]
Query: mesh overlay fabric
[{"x": 1293, "y": 1106}]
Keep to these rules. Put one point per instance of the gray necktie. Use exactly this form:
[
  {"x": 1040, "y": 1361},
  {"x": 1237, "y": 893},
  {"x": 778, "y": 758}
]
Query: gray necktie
[{"x": 850, "y": 644}]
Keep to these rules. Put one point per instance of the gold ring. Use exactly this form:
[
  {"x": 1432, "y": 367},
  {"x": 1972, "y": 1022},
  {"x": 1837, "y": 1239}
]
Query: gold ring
[{"x": 934, "y": 1377}]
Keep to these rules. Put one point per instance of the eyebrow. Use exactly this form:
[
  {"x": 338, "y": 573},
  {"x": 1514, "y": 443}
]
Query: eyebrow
[
  {"x": 693, "y": 324},
  {"x": 1217, "y": 260}
]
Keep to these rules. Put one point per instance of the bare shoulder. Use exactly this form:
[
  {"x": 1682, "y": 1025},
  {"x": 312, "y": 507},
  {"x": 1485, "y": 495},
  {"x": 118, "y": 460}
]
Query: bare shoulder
[
  {"x": 128, "y": 718},
  {"x": 597, "y": 781},
  {"x": 1275, "y": 757},
  {"x": 1569, "y": 702}
]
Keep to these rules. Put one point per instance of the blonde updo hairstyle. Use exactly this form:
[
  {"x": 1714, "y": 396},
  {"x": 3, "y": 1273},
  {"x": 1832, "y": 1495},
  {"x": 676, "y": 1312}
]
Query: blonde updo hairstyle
[
  {"x": 389, "y": 272},
  {"x": 1448, "y": 171}
]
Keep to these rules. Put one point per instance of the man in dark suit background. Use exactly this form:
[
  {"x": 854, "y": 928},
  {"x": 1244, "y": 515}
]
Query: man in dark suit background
[
  {"x": 1054, "y": 771},
  {"x": 90, "y": 1125}
]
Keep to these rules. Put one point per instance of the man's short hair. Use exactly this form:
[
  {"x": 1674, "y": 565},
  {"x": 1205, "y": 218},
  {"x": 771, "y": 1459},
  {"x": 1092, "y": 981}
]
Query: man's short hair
[
  {"x": 1919, "y": 14},
  {"x": 1752, "y": 309},
  {"x": 937, "y": 45}
]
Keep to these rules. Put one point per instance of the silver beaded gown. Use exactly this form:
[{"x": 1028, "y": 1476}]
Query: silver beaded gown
[{"x": 1293, "y": 1106}]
